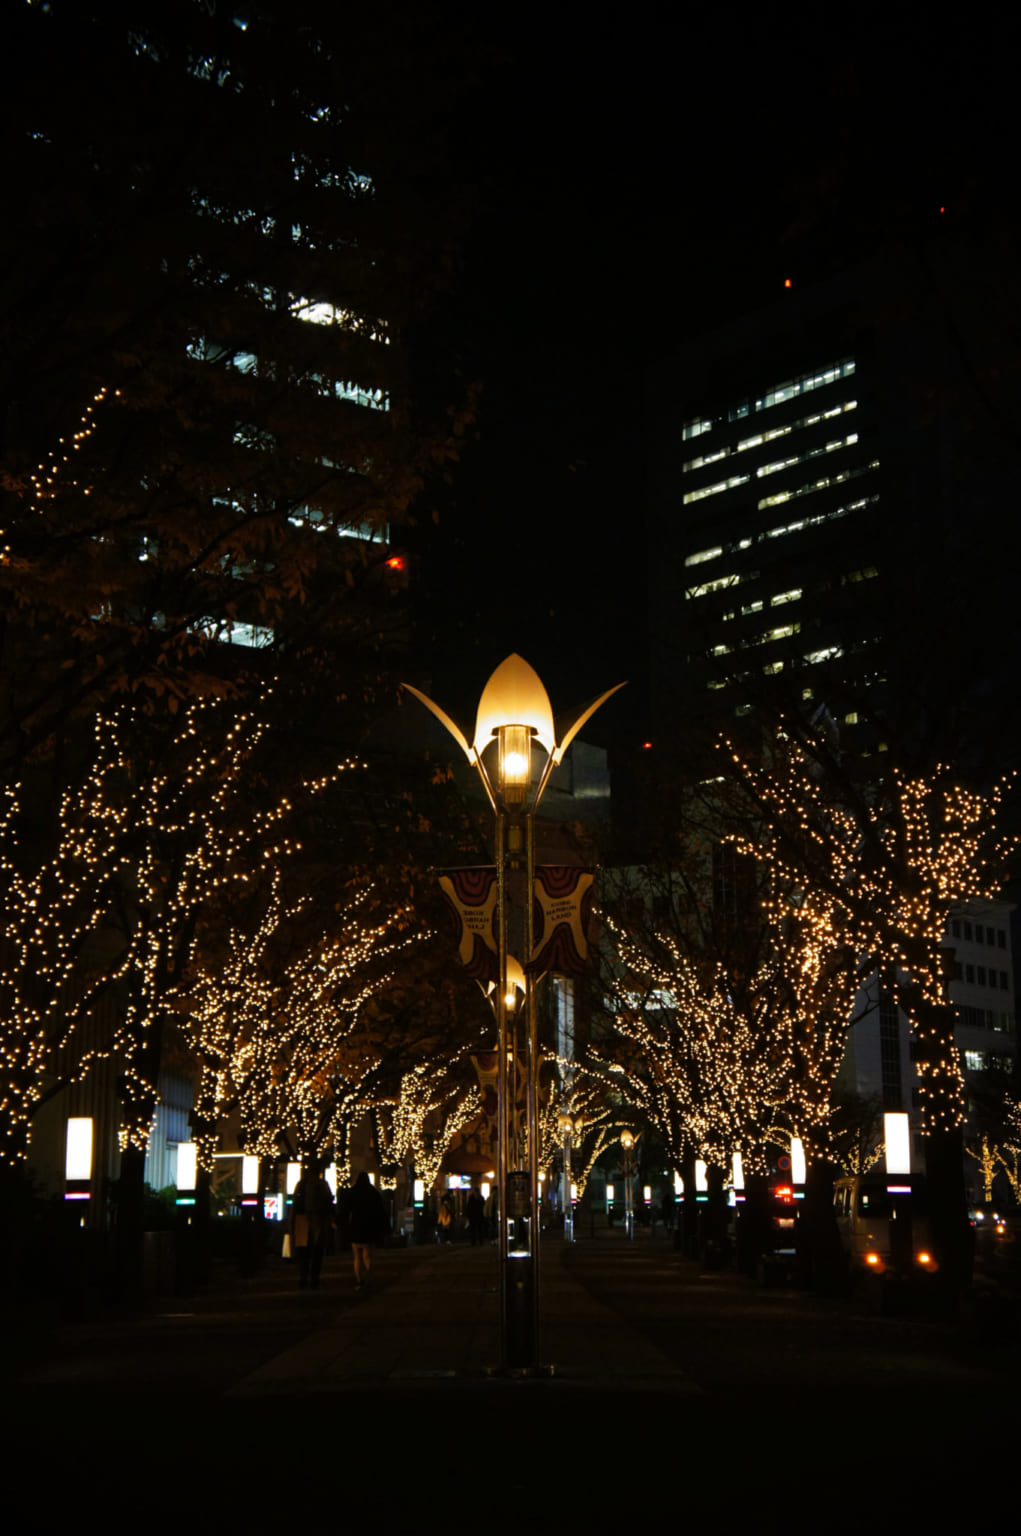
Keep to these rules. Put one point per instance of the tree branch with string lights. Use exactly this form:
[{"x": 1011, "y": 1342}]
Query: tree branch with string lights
[{"x": 887, "y": 859}]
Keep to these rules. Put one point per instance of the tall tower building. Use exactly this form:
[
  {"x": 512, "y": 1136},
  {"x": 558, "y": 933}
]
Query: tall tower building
[
  {"x": 828, "y": 485},
  {"x": 825, "y": 476}
]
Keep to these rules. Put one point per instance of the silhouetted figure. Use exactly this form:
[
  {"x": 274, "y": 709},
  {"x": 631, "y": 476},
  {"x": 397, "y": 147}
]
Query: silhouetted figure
[
  {"x": 475, "y": 1210},
  {"x": 311, "y": 1218},
  {"x": 368, "y": 1224}
]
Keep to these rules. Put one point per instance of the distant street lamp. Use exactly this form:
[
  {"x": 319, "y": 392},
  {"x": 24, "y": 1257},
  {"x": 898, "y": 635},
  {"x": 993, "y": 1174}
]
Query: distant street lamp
[
  {"x": 514, "y": 717},
  {"x": 627, "y": 1142},
  {"x": 568, "y": 1124}
]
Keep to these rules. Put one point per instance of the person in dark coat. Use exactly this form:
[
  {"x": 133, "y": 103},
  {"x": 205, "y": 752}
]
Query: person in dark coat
[
  {"x": 475, "y": 1210},
  {"x": 367, "y": 1225},
  {"x": 311, "y": 1215}
]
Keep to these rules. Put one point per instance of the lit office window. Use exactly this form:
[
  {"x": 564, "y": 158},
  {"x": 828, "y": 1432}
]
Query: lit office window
[
  {"x": 804, "y": 384},
  {"x": 821, "y": 485},
  {"x": 802, "y": 458},
  {"x": 703, "y": 555},
  {"x": 717, "y": 585},
  {"x": 714, "y": 490},
  {"x": 769, "y": 436}
]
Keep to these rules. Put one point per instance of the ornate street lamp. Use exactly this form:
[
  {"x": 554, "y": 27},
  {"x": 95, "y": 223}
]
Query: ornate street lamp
[
  {"x": 627, "y": 1142},
  {"x": 514, "y": 724},
  {"x": 568, "y": 1125}
]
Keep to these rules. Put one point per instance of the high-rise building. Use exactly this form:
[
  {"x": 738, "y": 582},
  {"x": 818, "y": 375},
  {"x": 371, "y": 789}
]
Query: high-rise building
[
  {"x": 828, "y": 480},
  {"x": 826, "y": 491}
]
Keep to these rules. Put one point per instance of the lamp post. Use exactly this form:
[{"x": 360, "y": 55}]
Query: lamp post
[
  {"x": 514, "y": 718},
  {"x": 627, "y": 1142},
  {"x": 568, "y": 1124}
]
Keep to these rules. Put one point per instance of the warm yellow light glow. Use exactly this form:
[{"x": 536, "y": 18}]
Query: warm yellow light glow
[
  {"x": 514, "y": 695},
  {"x": 78, "y": 1153},
  {"x": 627, "y": 1140},
  {"x": 515, "y": 762}
]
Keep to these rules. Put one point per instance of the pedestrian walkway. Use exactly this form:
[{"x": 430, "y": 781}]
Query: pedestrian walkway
[{"x": 432, "y": 1317}]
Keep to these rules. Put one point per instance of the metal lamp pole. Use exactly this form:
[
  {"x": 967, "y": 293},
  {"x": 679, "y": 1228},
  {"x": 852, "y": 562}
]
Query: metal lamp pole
[
  {"x": 627, "y": 1142},
  {"x": 515, "y": 714},
  {"x": 566, "y": 1125}
]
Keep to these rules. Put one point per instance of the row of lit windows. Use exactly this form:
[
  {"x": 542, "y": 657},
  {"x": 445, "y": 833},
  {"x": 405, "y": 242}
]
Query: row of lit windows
[
  {"x": 735, "y": 579},
  {"x": 703, "y": 556},
  {"x": 771, "y": 469},
  {"x": 771, "y": 668},
  {"x": 802, "y": 385},
  {"x": 817, "y": 485},
  {"x": 780, "y": 633},
  {"x": 987, "y": 1061},
  {"x": 320, "y": 313},
  {"x": 767, "y": 437}
]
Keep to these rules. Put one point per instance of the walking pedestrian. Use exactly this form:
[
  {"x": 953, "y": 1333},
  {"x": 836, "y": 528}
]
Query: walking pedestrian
[
  {"x": 368, "y": 1224},
  {"x": 475, "y": 1210},
  {"x": 311, "y": 1219}
]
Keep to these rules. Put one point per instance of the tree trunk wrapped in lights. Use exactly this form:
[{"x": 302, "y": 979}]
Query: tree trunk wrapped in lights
[
  {"x": 724, "y": 1063},
  {"x": 282, "y": 1038},
  {"x": 163, "y": 824},
  {"x": 891, "y": 857},
  {"x": 435, "y": 1104}
]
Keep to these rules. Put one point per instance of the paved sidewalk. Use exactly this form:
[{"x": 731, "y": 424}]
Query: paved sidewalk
[{"x": 435, "y": 1320}]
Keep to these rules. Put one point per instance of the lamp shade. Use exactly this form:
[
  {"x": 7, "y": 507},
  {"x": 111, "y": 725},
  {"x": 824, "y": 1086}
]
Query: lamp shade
[{"x": 514, "y": 695}]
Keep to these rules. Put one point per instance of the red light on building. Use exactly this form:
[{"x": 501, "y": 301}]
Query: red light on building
[
  {"x": 787, "y": 283},
  {"x": 646, "y": 746},
  {"x": 396, "y": 563}
]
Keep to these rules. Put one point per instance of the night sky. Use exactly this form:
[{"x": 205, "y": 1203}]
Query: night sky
[{"x": 638, "y": 180}]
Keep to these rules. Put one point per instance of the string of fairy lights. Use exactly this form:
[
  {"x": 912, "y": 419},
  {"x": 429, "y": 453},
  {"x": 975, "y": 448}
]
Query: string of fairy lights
[
  {"x": 139, "y": 851},
  {"x": 889, "y": 869},
  {"x": 722, "y": 1061},
  {"x": 433, "y": 1107},
  {"x": 55, "y": 475},
  {"x": 583, "y": 1098},
  {"x": 283, "y": 1043}
]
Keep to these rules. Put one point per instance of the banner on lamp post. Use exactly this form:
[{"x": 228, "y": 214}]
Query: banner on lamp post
[
  {"x": 471, "y": 901},
  {"x": 562, "y": 908}
]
